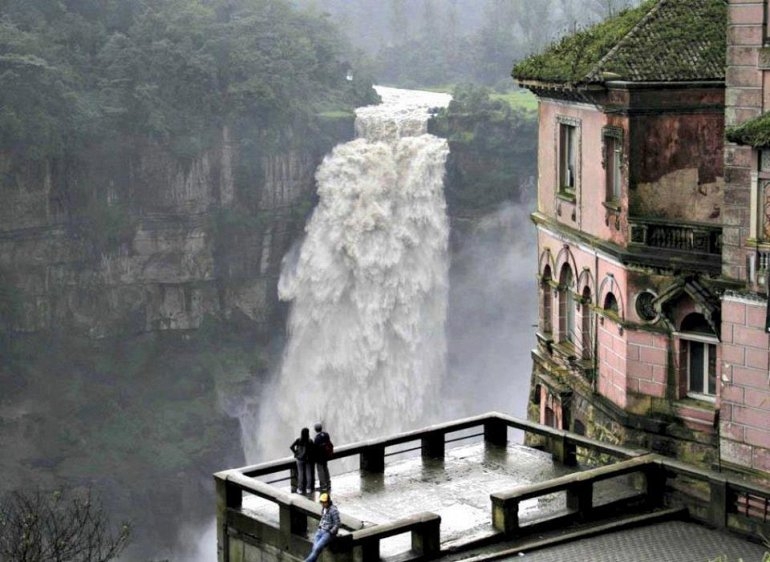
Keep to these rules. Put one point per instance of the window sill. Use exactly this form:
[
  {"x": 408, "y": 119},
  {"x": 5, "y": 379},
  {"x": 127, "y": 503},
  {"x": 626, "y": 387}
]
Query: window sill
[
  {"x": 702, "y": 398},
  {"x": 697, "y": 412},
  {"x": 566, "y": 350},
  {"x": 545, "y": 340},
  {"x": 565, "y": 195},
  {"x": 612, "y": 206}
]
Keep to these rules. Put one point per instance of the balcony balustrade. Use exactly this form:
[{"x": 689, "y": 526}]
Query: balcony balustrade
[{"x": 704, "y": 239}]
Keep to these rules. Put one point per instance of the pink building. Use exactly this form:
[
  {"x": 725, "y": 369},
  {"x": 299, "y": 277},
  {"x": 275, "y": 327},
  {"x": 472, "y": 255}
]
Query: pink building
[{"x": 650, "y": 232}]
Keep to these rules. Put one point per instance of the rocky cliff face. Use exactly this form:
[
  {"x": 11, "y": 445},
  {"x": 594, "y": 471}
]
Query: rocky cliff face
[{"x": 139, "y": 240}]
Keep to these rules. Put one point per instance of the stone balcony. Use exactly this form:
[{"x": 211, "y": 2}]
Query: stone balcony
[
  {"x": 695, "y": 246},
  {"x": 459, "y": 488}
]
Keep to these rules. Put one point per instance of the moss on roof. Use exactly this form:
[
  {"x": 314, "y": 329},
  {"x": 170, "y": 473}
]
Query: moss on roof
[
  {"x": 755, "y": 132},
  {"x": 660, "y": 40}
]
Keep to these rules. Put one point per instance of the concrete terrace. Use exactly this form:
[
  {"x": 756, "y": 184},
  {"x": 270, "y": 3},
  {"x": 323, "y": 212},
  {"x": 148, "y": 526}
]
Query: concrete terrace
[{"x": 465, "y": 494}]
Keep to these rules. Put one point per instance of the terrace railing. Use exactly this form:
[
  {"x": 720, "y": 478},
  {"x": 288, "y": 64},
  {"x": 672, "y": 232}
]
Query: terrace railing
[{"x": 666, "y": 485}]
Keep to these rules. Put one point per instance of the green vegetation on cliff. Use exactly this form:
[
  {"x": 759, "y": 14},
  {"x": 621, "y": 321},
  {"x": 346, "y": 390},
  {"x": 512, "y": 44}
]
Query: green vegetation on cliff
[
  {"x": 142, "y": 420},
  {"x": 493, "y": 153},
  {"x": 78, "y": 72}
]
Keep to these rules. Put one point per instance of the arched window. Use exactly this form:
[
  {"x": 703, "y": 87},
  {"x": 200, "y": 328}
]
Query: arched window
[
  {"x": 566, "y": 306},
  {"x": 546, "y": 314},
  {"x": 586, "y": 338},
  {"x": 550, "y": 417},
  {"x": 611, "y": 303},
  {"x": 698, "y": 356}
]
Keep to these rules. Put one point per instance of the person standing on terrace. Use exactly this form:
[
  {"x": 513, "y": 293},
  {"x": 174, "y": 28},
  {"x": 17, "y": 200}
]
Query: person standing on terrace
[
  {"x": 324, "y": 450},
  {"x": 303, "y": 453}
]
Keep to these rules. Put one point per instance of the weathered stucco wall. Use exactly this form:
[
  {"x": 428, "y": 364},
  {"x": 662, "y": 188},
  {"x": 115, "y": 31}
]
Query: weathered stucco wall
[{"x": 677, "y": 168}]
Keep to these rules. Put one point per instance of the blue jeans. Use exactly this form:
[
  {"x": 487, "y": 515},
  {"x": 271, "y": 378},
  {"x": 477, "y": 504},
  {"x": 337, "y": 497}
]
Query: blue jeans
[
  {"x": 322, "y": 538},
  {"x": 324, "y": 482},
  {"x": 305, "y": 476}
]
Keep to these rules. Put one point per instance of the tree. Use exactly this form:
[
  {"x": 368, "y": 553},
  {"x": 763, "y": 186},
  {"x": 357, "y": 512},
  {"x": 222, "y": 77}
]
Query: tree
[{"x": 65, "y": 526}]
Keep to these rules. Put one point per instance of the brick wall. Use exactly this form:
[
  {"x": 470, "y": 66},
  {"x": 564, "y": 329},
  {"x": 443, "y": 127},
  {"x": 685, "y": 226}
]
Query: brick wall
[
  {"x": 647, "y": 359},
  {"x": 612, "y": 380},
  {"x": 743, "y": 100},
  {"x": 745, "y": 384}
]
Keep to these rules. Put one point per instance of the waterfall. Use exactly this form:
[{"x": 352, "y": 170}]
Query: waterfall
[{"x": 368, "y": 287}]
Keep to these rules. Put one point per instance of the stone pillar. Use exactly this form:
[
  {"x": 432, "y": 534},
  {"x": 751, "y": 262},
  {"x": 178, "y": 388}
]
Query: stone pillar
[
  {"x": 370, "y": 550},
  {"x": 562, "y": 450},
  {"x": 433, "y": 445},
  {"x": 718, "y": 502},
  {"x": 505, "y": 514},
  {"x": 228, "y": 496},
  {"x": 426, "y": 540},
  {"x": 580, "y": 498},
  {"x": 373, "y": 458},
  {"x": 341, "y": 549},
  {"x": 293, "y": 477},
  {"x": 292, "y": 522},
  {"x": 655, "y": 482},
  {"x": 496, "y": 432}
]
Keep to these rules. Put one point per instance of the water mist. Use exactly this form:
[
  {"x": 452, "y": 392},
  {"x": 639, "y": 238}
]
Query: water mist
[{"x": 366, "y": 349}]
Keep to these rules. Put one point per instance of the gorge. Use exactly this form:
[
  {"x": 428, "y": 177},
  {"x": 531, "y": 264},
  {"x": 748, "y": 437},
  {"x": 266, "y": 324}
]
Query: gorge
[{"x": 161, "y": 402}]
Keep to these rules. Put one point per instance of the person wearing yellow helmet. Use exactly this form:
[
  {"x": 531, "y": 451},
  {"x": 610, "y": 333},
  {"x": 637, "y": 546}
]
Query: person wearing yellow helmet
[{"x": 328, "y": 527}]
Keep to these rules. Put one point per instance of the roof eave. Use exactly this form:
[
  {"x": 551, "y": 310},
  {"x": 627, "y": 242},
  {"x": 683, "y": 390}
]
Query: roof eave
[{"x": 534, "y": 84}]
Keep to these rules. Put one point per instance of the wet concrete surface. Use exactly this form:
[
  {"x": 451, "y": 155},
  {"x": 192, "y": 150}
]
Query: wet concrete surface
[{"x": 458, "y": 489}]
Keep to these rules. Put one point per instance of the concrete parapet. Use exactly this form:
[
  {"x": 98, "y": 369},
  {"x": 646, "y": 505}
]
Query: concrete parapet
[
  {"x": 659, "y": 483},
  {"x": 425, "y": 529},
  {"x": 579, "y": 489}
]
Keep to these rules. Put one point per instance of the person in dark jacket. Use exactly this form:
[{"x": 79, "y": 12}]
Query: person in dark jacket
[
  {"x": 303, "y": 449},
  {"x": 321, "y": 460}
]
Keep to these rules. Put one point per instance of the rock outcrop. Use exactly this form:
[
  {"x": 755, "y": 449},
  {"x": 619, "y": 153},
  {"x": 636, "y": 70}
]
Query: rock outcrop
[{"x": 140, "y": 240}]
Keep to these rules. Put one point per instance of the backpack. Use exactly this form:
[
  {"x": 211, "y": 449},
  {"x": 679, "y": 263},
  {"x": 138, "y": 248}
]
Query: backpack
[{"x": 327, "y": 449}]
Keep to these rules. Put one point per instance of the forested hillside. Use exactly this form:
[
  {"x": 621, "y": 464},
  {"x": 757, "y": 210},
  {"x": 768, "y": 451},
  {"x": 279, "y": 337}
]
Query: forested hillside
[
  {"x": 156, "y": 163},
  {"x": 75, "y": 72},
  {"x": 440, "y": 42}
]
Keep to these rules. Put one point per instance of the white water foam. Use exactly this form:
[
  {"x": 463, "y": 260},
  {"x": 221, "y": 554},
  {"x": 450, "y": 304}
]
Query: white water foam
[{"x": 366, "y": 351}]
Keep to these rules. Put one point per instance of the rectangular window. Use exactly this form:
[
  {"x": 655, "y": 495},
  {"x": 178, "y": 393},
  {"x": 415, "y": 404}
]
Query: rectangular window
[
  {"x": 764, "y": 162},
  {"x": 612, "y": 149},
  {"x": 567, "y": 157},
  {"x": 701, "y": 368}
]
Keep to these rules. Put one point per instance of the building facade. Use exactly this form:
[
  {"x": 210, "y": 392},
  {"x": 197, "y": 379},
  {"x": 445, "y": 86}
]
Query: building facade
[{"x": 650, "y": 232}]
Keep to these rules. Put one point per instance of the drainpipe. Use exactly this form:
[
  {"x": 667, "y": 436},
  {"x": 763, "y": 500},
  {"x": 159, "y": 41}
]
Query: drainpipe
[{"x": 595, "y": 358}]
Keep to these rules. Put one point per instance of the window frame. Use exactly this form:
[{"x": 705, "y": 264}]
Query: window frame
[
  {"x": 586, "y": 331},
  {"x": 566, "y": 306},
  {"x": 760, "y": 198},
  {"x": 612, "y": 162},
  {"x": 546, "y": 325},
  {"x": 710, "y": 346},
  {"x": 567, "y": 156}
]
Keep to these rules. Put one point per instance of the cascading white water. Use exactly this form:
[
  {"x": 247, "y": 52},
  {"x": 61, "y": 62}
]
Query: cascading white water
[{"x": 368, "y": 287}]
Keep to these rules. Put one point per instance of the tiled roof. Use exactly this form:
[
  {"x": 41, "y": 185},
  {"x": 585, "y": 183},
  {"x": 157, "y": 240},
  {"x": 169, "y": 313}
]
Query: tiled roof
[{"x": 659, "y": 41}]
